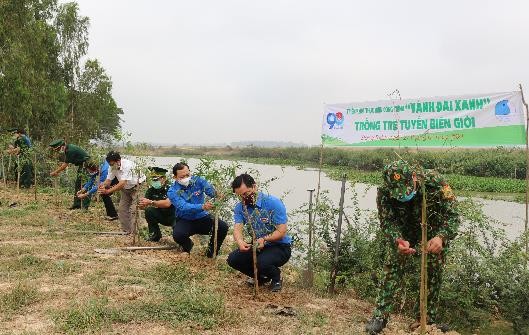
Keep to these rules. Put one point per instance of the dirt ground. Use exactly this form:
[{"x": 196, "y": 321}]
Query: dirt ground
[{"x": 49, "y": 267}]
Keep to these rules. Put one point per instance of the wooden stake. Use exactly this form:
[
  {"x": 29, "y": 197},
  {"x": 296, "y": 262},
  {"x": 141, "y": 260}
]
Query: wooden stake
[
  {"x": 18, "y": 174},
  {"x": 526, "y": 177},
  {"x": 424, "y": 273},
  {"x": 4, "y": 172},
  {"x": 334, "y": 270},
  {"x": 309, "y": 277},
  {"x": 254, "y": 253},
  {"x": 215, "y": 237},
  {"x": 35, "y": 173}
]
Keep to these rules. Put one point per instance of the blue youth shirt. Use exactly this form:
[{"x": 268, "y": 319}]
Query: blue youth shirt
[
  {"x": 268, "y": 212},
  {"x": 188, "y": 200},
  {"x": 91, "y": 185}
]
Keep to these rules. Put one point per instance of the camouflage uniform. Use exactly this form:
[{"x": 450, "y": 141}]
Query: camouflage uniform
[{"x": 403, "y": 220}]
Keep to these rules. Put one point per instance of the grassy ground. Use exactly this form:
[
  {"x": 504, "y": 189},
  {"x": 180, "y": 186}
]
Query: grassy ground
[{"x": 53, "y": 282}]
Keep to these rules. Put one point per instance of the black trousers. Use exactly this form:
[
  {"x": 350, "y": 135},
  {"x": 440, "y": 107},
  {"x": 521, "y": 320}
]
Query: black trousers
[
  {"x": 269, "y": 259},
  {"x": 183, "y": 229},
  {"x": 107, "y": 201},
  {"x": 155, "y": 216},
  {"x": 26, "y": 172}
]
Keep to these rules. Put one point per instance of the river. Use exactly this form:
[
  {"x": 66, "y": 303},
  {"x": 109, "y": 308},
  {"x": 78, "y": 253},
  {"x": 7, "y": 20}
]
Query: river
[{"x": 292, "y": 184}]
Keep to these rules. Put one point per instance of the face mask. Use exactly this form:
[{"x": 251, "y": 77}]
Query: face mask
[
  {"x": 156, "y": 184},
  {"x": 92, "y": 173},
  {"x": 249, "y": 200},
  {"x": 114, "y": 167},
  {"x": 184, "y": 181},
  {"x": 408, "y": 197}
]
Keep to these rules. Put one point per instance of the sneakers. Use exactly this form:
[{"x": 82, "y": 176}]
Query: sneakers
[
  {"x": 262, "y": 281},
  {"x": 153, "y": 238},
  {"x": 276, "y": 285},
  {"x": 111, "y": 218},
  {"x": 376, "y": 325}
]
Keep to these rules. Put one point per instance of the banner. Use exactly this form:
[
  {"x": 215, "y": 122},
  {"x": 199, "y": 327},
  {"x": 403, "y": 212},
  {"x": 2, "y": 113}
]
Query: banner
[{"x": 487, "y": 120}]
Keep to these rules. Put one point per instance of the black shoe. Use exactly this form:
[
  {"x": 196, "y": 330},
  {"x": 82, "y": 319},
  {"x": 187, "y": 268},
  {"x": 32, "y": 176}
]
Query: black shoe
[
  {"x": 154, "y": 238},
  {"x": 375, "y": 325},
  {"x": 262, "y": 281},
  {"x": 276, "y": 285},
  {"x": 111, "y": 218},
  {"x": 74, "y": 207}
]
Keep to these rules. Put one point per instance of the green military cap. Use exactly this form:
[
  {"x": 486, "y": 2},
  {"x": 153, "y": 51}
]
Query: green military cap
[
  {"x": 157, "y": 171},
  {"x": 398, "y": 178},
  {"x": 57, "y": 143},
  {"x": 12, "y": 130}
]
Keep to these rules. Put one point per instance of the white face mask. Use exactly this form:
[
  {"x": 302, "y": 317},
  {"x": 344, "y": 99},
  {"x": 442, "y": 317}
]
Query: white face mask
[{"x": 184, "y": 181}]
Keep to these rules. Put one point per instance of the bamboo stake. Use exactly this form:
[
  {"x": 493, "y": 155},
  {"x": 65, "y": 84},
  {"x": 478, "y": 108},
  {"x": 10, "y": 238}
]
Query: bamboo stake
[
  {"x": 526, "y": 176},
  {"x": 338, "y": 236},
  {"x": 98, "y": 180},
  {"x": 309, "y": 278},
  {"x": 35, "y": 173},
  {"x": 215, "y": 237},
  {"x": 99, "y": 232},
  {"x": 254, "y": 253},
  {"x": 18, "y": 174},
  {"x": 9, "y": 164},
  {"x": 424, "y": 273},
  {"x": 4, "y": 172}
]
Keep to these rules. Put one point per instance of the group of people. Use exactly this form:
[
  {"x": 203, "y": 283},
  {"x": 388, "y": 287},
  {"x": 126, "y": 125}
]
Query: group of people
[{"x": 181, "y": 204}]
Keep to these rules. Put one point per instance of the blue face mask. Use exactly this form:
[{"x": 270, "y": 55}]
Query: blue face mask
[
  {"x": 407, "y": 198},
  {"x": 156, "y": 184}
]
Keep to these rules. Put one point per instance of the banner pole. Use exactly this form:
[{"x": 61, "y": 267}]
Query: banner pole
[{"x": 526, "y": 176}]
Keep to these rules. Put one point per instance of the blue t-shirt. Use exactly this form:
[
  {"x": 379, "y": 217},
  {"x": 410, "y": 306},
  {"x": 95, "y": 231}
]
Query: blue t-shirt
[
  {"x": 188, "y": 200},
  {"x": 268, "y": 212},
  {"x": 91, "y": 186}
]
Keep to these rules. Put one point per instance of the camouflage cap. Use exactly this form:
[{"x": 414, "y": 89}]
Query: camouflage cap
[
  {"x": 398, "y": 178},
  {"x": 57, "y": 143},
  {"x": 12, "y": 130}
]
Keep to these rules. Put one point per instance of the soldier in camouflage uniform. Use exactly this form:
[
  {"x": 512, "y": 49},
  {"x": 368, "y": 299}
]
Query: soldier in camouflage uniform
[
  {"x": 399, "y": 203},
  {"x": 21, "y": 148}
]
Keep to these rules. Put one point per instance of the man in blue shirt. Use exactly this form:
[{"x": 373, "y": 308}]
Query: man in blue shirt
[
  {"x": 266, "y": 216},
  {"x": 187, "y": 195},
  {"x": 90, "y": 188}
]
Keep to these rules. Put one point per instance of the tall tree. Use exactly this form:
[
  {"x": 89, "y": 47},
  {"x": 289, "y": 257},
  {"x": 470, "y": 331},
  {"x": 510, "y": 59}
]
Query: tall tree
[
  {"x": 72, "y": 30},
  {"x": 98, "y": 113}
]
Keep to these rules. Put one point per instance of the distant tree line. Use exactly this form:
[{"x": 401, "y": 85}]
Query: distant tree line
[{"x": 46, "y": 86}]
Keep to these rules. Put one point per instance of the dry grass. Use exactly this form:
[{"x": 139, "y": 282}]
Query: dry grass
[{"x": 52, "y": 282}]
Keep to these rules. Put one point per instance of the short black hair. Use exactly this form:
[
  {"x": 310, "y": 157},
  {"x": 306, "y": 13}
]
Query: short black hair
[
  {"x": 113, "y": 156},
  {"x": 179, "y": 166},
  {"x": 245, "y": 179}
]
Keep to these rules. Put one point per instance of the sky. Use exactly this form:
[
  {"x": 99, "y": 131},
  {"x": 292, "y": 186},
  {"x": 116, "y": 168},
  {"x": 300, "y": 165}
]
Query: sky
[{"x": 207, "y": 72}]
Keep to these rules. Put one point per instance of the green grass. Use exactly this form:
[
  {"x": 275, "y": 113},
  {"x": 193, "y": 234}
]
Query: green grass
[
  {"x": 20, "y": 296},
  {"x": 174, "y": 297}
]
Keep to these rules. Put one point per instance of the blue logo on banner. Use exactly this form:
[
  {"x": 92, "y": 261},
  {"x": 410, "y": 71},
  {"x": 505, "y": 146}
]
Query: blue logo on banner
[
  {"x": 335, "y": 119},
  {"x": 502, "y": 108}
]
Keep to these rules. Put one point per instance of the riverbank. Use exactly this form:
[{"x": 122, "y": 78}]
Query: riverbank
[{"x": 492, "y": 188}]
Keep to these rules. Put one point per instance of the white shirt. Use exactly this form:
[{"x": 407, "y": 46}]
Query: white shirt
[{"x": 127, "y": 171}]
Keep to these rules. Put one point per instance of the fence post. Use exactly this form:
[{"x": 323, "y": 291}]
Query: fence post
[
  {"x": 309, "y": 275},
  {"x": 338, "y": 236}
]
